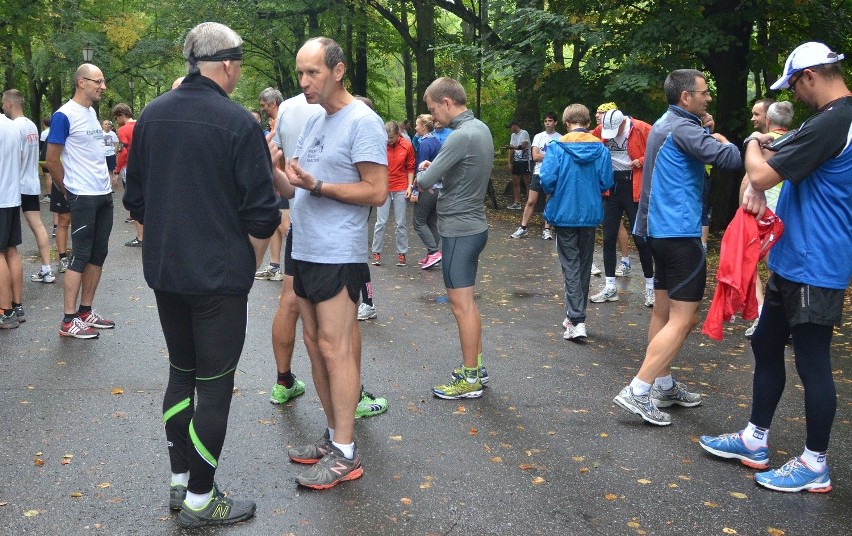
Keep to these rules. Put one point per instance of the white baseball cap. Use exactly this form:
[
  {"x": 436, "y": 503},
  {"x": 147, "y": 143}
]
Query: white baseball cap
[
  {"x": 806, "y": 55},
  {"x": 611, "y": 121}
]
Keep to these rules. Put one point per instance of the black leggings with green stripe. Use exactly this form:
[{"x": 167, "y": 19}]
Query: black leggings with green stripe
[{"x": 204, "y": 335}]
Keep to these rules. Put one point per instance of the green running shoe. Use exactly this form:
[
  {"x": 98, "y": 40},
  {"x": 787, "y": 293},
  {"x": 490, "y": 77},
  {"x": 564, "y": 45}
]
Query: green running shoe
[
  {"x": 459, "y": 388},
  {"x": 370, "y": 405},
  {"x": 331, "y": 470},
  {"x": 483, "y": 374},
  {"x": 219, "y": 510},
  {"x": 280, "y": 394}
]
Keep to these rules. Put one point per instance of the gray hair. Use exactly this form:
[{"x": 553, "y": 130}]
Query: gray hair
[
  {"x": 207, "y": 39},
  {"x": 446, "y": 87},
  {"x": 270, "y": 95},
  {"x": 392, "y": 127},
  {"x": 333, "y": 54},
  {"x": 780, "y": 113},
  {"x": 679, "y": 81}
]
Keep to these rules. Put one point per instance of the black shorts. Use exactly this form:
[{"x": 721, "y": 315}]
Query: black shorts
[
  {"x": 30, "y": 203},
  {"x": 535, "y": 184},
  {"x": 805, "y": 304},
  {"x": 289, "y": 267},
  {"x": 461, "y": 259},
  {"x": 10, "y": 228},
  {"x": 317, "y": 282},
  {"x": 283, "y": 202},
  {"x": 58, "y": 204},
  {"x": 520, "y": 167},
  {"x": 91, "y": 225},
  {"x": 110, "y": 160},
  {"x": 680, "y": 267}
]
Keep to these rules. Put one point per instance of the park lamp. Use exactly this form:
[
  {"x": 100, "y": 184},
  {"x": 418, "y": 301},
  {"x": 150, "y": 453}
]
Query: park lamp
[{"x": 88, "y": 53}]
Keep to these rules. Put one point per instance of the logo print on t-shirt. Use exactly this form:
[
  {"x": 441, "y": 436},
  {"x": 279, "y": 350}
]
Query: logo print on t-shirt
[{"x": 314, "y": 150}]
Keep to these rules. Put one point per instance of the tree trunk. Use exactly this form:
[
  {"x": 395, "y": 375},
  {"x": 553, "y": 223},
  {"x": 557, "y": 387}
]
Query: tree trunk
[{"x": 424, "y": 56}]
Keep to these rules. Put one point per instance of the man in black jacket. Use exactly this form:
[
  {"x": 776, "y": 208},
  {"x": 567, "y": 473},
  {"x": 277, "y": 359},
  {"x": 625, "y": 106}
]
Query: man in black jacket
[{"x": 200, "y": 179}]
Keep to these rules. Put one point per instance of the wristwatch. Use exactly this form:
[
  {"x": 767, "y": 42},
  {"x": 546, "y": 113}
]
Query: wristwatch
[
  {"x": 749, "y": 139},
  {"x": 317, "y": 189}
]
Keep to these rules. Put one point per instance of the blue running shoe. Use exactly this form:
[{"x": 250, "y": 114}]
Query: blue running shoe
[
  {"x": 731, "y": 446},
  {"x": 795, "y": 476}
]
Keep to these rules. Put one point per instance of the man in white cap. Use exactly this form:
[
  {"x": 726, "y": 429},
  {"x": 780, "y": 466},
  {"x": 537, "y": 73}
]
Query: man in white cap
[
  {"x": 626, "y": 138},
  {"x": 811, "y": 265}
]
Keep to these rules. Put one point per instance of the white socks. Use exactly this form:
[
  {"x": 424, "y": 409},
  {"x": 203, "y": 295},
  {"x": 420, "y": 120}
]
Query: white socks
[
  {"x": 814, "y": 460},
  {"x": 610, "y": 283},
  {"x": 665, "y": 383},
  {"x": 180, "y": 479},
  {"x": 331, "y": 434},
  {"x": 755, "y": 437},
  {"x": 625, "y": 260},
  {"x": 639, "y": 388},
  {"x": 347, "y": 450},
  {"x": 196, "y": 501},
  {"x": 649, "y": 282}
]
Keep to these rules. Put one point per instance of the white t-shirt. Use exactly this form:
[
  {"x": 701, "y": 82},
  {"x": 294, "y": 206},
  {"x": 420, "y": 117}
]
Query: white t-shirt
[
  {"x": 515, "y": 140},
  {"x": 324, "y": 230},
  {"x": 618, "y": 149},
  {"x": 542, "y": 140},
  {"x": 10, "y": 163},
  {"x": 29, "y": 158},
  {"x": 110, "y": 139},
  {"x": 77, "y": 128}
]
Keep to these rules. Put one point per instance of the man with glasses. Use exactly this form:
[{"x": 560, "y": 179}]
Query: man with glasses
[
  {"x": 811, "y": 265},
  {"x": 75, "y": 158},
  {"x": 669, "y": 217}
]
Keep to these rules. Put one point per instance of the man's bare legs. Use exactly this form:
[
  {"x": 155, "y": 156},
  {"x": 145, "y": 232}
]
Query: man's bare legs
[
  {"x": 63, "y": 222},
  {"x": 329, "y": 337},
  {"x": 33, "y": 218},
  {"x": 83, "y": 285},
  {"x": 284, "y": 326},
  {"x": 469, "y": 322},
  {"x": 671, "y": 323},
  {"x": 16, "y": 272}
]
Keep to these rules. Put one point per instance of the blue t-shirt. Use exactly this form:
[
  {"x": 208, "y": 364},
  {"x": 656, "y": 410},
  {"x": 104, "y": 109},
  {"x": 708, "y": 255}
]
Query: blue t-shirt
[{"x": 816, "y": 203}]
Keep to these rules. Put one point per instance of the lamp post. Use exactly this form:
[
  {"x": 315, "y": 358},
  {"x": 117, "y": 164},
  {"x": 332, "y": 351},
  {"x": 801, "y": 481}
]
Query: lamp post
[
  {"x": 88, "y": 53},
  {"x": 131, "y": 83}
]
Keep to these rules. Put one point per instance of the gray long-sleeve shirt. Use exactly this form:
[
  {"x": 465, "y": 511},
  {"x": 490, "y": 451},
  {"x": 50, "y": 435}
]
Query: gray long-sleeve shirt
[{"x": 464, "y": 165}]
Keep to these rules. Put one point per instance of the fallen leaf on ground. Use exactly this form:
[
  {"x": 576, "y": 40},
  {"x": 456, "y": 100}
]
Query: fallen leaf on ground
[
  {"x": 610, "y": 496},
  {"x": 633, "y": 525},
  {"x": 472, "y": 431},
  {"x": 117, "y": 391},
  {"x": 405, "y": 500},
  {"x": 76, "y": 494},
  {"x": 396, "y": 438},
  {"x": 728, "y": 530},
  {"x": 496, "y": 459},
  {"x": 775, "y": 532},
  {"x": 709, "y": 504},
  {"x": 39, "y": 462},
  {"x": 538, "y": 480},
  {"x": 31, "y": 513},
  {"x": 527, "y": 466},
  {"x": 578, "y": 458},
  {"x": 104, "y": 485},
  {"x": 643, "y": 481},
  {"x": 738, "y": 495}
]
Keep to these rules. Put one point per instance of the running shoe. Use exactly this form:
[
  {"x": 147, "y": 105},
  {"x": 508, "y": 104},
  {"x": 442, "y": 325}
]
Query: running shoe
[
  {"x": 595, "y": 269},
  {"x": 458, "y": 372},
  {"x": 605, "y": 295},
  {"x": 732, "y": 447},
  {"x": 515, "y": 206},
  {"x": 281, "y": 394},
  {"x": 547, "y": 234},
  {"x": 43, "y": 277},
  {"x": 400, "y": 259},
  {"x": 219, "y": 510},
  {"x": 45, "y": 200},
  {"x": 377, "y": 259},
  {"x": 423, "y": 260},
  {"x": 370, "y": 405},
  {"x": 623, "y": 269},
  {"x": 265, "y": 273},
  {"x": 78, "y": 329},
  {"x": 676, "y": 395},
  {"x": 135, "y": 243},
  {"x": 650, "y": 297},
  {"x": 63, "y": 264},
  {"x": 642, "y": 406},
  {"x": 366, "y": 312},
  {"x": 177, "y": 494},
  {"x": 53, "y": 233},
  {"x": 520, "y": 232},
  {"x": 94, "y": 320},
  {"x": 129, "y": 220},
  {"x": 9, "y": 321},
  {"x": 575, "y": 332},
  {"x": 331, "y": 470},
  {"x": 431, "y": 260},
  {"x": 277, "y": 275},
  {"x": 459, "y": 388},
  {"x": 795, "y": 475},
  {"x": 20, "y": 314},
  {"x": 311, "y": 454}
]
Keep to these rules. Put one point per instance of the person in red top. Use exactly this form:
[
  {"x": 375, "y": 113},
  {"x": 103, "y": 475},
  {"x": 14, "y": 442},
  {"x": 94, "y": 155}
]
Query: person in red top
[
  {"x": 124, "y": 118},
  {"x": 400, "y": 178}
]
